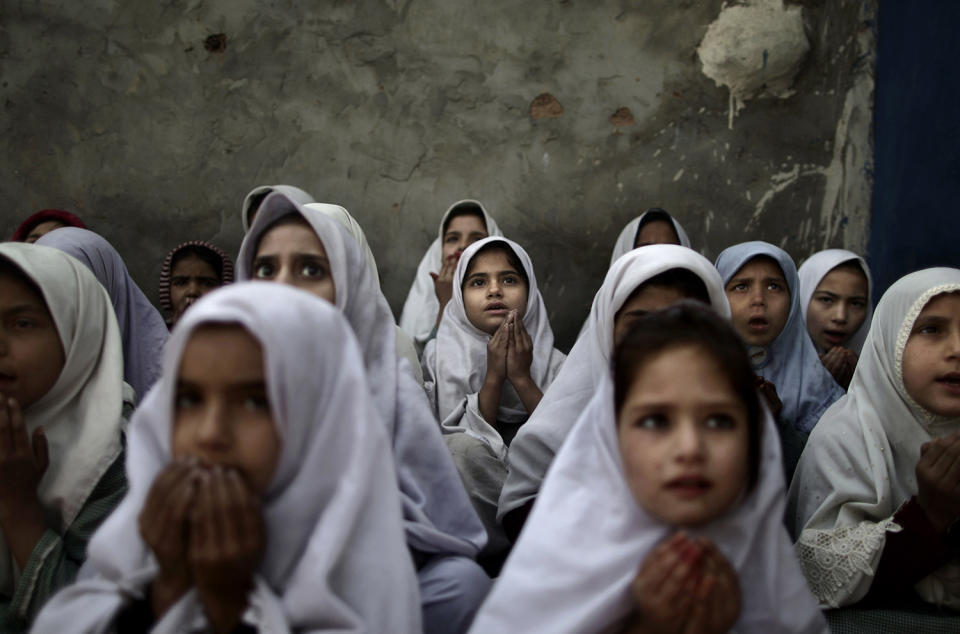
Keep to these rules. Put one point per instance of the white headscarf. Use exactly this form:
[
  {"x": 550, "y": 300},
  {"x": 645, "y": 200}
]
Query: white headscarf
[
  {"x": 859, "y": 465},
  {"x": 293, "y": 193},
  {"x": 141, "y": 325},
  {"x": 335, "y": 557},
  {"x": 627, "y": 239},
  {"x": 455, "y": 363},
  {"x": 539, "y": 440},
  {"x": 790, "y": 362},
  {"x": 816, "y": 268},
  {"x": 405, "y": 346},
  {"x": 420, "y": 309},
  {"x": 438, "y": 514},
  {"x": 582, "y": 547},
  {"x": 81, "y": 414}
]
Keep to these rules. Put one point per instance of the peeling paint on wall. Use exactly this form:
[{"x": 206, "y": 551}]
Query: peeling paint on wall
[{"x": 755, "y": 49}]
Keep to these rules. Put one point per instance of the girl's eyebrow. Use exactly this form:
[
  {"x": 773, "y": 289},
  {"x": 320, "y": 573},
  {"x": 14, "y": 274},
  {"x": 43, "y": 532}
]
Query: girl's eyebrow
[{"x": 19, "y": 309}]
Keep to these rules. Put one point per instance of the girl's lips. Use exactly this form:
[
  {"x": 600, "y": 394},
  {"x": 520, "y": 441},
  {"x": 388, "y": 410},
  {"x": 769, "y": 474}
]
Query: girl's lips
[
  {"x": 950, "y": 381},
  {"x": 758, "y": 324},
  {"x": 834, "y": 336},
  {"x": 689, "y": 486},
  {"x": 496, "y": 307}
]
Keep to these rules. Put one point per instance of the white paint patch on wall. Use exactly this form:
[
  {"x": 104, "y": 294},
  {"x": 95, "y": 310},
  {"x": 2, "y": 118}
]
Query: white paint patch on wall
[{"x": 755, "y": 49}]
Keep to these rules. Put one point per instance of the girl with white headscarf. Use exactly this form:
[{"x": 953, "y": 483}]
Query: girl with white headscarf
[
  {"x": 64, "y": 423},
  {"x": 443, "y": 531},
  {"x": 581, "y": 563},
  {"x": 658, "y": 223},
  {"x": 540, "y": 438},
  {"x": 332, "y": 553},
  {"x": 864, "y": 501},
  {"x": 457, "y": 369},
  {"x": 422, "y": 309},
  {"x": 405, "y": 348},
  {"x": 835, "y": 291},
  {"x": 141, "y": 324},
  {"x": 789, "y": 362}
]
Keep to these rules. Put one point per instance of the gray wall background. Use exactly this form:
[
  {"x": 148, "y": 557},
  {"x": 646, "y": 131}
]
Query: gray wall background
[{"x": 394, "y": 109}]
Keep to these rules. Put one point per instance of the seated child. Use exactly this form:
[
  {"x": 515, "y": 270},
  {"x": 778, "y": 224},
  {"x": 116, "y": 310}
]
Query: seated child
[
  {"x": 663, "y": 511},
  {"x": 835, "y": 300},
  {"x": 874, "y": 501},
  {"x": 141, "y": 325},
  {"x": 486, "y": 370},
  {"x": 190, "y": 271},
  {"x": 641, "y": 281},
  {"x": 302, "y": 247},
  {"x": 238, "y": 517},
  {"x": 762, "y": 286},
  {"x": 654, "y": 226},
  {"x": 464, "y": 223},
  {"x": 61, "y": 419},
  {"x": 43, "y": 222}
]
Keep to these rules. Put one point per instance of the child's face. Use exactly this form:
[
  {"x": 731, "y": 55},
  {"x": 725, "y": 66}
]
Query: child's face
[
  {"x": 462, "y": 231},
  {"x": 31, "y": 354},
  {"x": 931, "y": 358},
  {"x": 647, "y": 299},
  {"x": 222, "y": 415},
  {"x": 292, "y": 254},
  {"x": 656, "y": 232},
  {"x": 190, "y": 279},
  {"x": 492, "y": 288},
  {"x": 837, "y": 308},
  {"x": 759, "y": 301},
  {"x": 43, "y": 229},
  {"x": 683, "y": 437}
]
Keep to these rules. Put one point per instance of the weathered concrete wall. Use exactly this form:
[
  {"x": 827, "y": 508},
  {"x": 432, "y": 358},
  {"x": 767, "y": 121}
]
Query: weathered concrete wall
[{"x": 118, "y": 111}]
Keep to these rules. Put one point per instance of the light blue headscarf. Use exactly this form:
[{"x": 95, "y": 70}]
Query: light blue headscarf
[{"x": 791, "y": 363}]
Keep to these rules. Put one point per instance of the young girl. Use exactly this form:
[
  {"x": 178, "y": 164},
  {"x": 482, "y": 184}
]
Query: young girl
[
  {"x": 253, "y": 200},
  {"x": 464, "y": 223},
  {"x": 190, "y": 271},
  {"x": 302, "y": 247},
  {"x": 762, "y": 287},
  {"x": 253, "y": 507},
  {"x": 663, "y": 511},
  {"x": 835, "y": 300},
  {"x": 141, "y": 325},
  {"x": 654, "y": 226},
  {"x": 61, "y": 416},
  {"x": 641, "y": 281},
  {"x": 874, "y": 498}
]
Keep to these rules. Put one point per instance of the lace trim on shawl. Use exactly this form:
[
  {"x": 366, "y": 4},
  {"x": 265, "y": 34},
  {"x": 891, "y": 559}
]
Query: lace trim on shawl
[
  {"x": 928, "y": 417},
  {"x": 833, "y": 561}
]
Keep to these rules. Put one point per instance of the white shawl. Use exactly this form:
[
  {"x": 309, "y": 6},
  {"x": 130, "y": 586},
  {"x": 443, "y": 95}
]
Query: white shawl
[
  {"x": 586, "y": 538},
  {"x": 438, "y": 514},
  {"x": 405, "y": 347},
  {"x": 628, "y": 236},
  {"x": 539, "y": 440},
  {"x": 859, "y": 465},
  {"x": 815, "y": 268},
  {"x": 142, "y": 328},
  {"x": 335, "y": 558},
  {"x": 455, "y": 363},
  {"x": 81, "y": 414},
  {"x": 293, "y": 193},
  {"x": 420, "y": 309}
]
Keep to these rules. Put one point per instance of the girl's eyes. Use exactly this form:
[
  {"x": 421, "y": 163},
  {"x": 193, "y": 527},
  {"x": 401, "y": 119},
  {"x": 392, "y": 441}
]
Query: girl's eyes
[
  {"x": 825, "y": 300},
  {"x": 256, "y": 403},
  {"x": 477, "y": 281},
  {"x": 263, "y": 271},
  {"x": 311, "y": 269},
  {"x": 720, "y": 421},
  {"x": 185, "y": 400},
  {"x": 858, "y": 303},
  {"x": 652, "y": 422},
  {"x": 24, "y": 323},
  {"x": 928, "y": 330},
  {"x": 740, "y": 286},
  {"x": 774, "y": 286},
  {"x": 509, "y": 279}
]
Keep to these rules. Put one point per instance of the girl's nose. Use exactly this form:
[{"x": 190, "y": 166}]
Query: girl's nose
[{"x": 688, "y": 442}]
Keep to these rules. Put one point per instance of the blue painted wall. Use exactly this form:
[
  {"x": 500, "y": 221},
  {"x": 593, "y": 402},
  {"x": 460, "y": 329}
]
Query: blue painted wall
[{"x": 916, "y": 197}]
